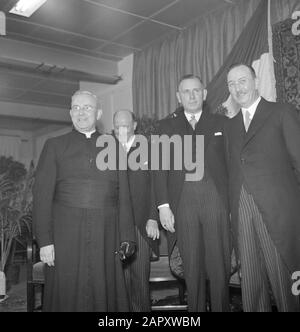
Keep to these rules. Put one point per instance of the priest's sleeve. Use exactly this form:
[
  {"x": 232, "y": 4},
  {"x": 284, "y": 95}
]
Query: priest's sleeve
[{"x": 43, "y": 194}]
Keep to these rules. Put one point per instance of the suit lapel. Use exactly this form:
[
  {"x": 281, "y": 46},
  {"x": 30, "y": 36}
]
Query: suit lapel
[
  {"x": 238, "y": 129},
  {"x": 261, "y": 114},
  {"x": 205, "y": 126},
  {"x": 180, "y": 123}
]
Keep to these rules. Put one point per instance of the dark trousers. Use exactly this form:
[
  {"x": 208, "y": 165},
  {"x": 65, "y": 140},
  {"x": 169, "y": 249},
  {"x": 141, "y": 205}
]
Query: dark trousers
[
  {"x": 261, "y": 264},
  {"x": 137, "y": 273},
  {"x": 203, "y": 241}
]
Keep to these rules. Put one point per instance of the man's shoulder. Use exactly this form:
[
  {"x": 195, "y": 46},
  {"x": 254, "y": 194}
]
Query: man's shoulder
[
  {"x": 280, "y": 109},
  {"x": 59, "y": 139},
  {"x": 174, "y": 115},
  {"x": 219, "y": 120},
  {"x": 171, "y": 117}
]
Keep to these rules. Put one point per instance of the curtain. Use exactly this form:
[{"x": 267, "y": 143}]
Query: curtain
[
  {"x": 10, "y": 147},
  {"x": 199, "y": 49},
  {"x": 286, "y": 48},
  {"x": 250, "y": 48}
]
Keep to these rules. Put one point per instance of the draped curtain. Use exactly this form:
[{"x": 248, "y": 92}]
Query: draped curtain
[
  {"x": 286, "y": 47},
  {"x": 201, "y": 49}
]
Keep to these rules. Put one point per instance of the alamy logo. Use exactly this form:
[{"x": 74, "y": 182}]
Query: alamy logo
[
  {"x": 166, "y": 153},
  {"x": 296, "y": 284},
  {"x": 296, "y": 25}
]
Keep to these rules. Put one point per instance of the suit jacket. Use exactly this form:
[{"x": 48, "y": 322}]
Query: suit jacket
[
  {"x": 142, "y": 199},
  {"x": 169, "y": 183},
  {"x": 266, "y": 160}
]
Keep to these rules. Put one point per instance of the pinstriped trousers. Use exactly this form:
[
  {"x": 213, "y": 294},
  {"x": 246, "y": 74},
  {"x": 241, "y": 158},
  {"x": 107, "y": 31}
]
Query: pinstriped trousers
[
  {"x": 137, "y": 273},
  {"x": 203, "y": 240},
  {"x": 261, "y": 264}
]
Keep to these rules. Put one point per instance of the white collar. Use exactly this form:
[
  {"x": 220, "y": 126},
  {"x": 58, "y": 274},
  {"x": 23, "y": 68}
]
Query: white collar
[
  {"x": 88, "y": 134},
  {"x": 252, "y": 108},
  {"x": 130, "y": 142},
  {"x": 189, "y": 115}
]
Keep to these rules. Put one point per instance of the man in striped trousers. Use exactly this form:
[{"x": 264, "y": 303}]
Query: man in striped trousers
[
  {"x": 263, "y": 154},
  {"x": 137, "y": 268}
]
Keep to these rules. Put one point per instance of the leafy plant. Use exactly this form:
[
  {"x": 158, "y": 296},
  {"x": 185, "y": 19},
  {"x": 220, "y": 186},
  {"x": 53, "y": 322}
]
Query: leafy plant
[{"x": 15, "y": 205}]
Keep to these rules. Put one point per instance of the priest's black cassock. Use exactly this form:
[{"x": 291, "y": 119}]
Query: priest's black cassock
[{"x": 85, "y": 213}]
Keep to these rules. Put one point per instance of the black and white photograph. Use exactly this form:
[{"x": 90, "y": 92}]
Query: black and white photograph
[{"x": 149, "y": 159}]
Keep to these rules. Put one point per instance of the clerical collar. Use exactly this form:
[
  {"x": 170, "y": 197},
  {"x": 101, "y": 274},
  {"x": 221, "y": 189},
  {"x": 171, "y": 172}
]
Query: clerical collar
[
  {"x": 87, "y": 134},
  {"x": 252, "y": 108},
  {"x": 196, "y": 115}
]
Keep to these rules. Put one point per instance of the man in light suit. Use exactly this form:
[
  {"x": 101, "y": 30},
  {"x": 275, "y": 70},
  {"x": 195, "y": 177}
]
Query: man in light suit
[
  {"x": 263, "y": 153},
  {"x": 195, "y": 213},
  {"x": 137, "y": 269}
]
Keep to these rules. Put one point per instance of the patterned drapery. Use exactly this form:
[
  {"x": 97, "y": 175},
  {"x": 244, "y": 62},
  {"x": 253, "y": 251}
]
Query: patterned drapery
[{"x": 286, "y": 48}]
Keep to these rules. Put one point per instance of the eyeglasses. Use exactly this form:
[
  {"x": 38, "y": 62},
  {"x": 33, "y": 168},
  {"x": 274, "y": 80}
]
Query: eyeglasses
[{"x": 85, "y": 108}]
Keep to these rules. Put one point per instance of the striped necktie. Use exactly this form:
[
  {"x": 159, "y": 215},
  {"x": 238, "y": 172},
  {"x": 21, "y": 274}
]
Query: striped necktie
[
  {"x": 247, "y": 120},
  {"x": 193, "y": 121}
]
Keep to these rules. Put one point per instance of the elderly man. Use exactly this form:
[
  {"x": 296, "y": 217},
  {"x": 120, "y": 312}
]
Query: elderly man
[
  {"x": 264, "y": 163},
  {"x": 81, "y": 215},
  {"x": 137, "y": 270}
]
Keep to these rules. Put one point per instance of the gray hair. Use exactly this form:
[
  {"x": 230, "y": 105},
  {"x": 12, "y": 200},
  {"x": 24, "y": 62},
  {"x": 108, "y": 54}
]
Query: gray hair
[{"x": 87, "y": 93}]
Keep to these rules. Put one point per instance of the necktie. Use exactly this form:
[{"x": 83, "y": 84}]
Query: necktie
[
  {"x": 193, "y": 121},
  {"x": 247, "y": 120}
]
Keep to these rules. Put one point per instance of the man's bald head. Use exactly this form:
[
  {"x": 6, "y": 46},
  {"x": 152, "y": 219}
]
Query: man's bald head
[{"x": 124, "y": 124}]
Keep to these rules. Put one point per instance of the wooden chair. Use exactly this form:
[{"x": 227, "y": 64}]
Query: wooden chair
[
  {"x": 162, "y": 278},
  {"x": 35, "y": 276}
]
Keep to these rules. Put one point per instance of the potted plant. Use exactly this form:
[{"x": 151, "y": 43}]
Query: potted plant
[{"x": 15, "y": 210}]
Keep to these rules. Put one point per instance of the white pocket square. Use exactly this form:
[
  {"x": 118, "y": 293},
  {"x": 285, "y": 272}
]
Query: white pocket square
[{"x": 218, "y": 133}]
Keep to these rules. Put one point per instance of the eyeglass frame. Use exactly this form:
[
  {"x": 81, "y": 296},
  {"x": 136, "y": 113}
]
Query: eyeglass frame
[{"x": 85, "y": 108}]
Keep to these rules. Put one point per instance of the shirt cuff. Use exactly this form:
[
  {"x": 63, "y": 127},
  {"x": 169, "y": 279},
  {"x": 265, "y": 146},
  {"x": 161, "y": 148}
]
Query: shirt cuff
[{"x": 164, "y": 205}]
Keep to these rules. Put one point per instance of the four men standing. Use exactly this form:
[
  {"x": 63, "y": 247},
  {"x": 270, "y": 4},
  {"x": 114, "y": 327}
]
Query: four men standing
[{"x": 82, "y": 214}]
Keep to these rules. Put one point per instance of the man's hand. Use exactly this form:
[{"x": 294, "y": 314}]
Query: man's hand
[
  {"x": 167, "y": 218},
  {"x": 47, "y": 255},
  {"x": 127, "y": 249},
  {"x": 152, "y": 229}
]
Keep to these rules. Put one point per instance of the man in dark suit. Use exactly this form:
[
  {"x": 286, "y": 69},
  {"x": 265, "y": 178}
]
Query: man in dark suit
[
  {"x": 80, "y": 217},
  {"x": 137, "y": 269},
  {"x": 195, "y": 213},
  {"x": 263, "y": 149}
]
